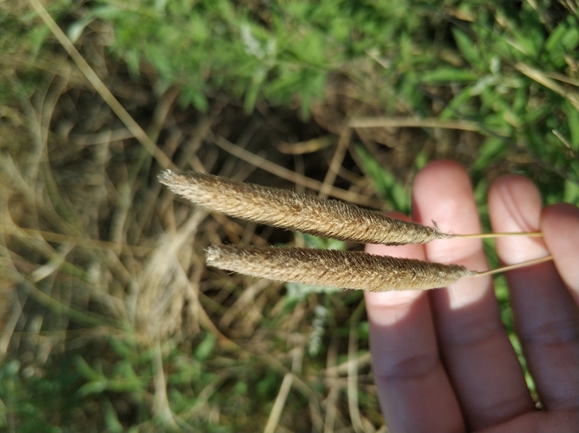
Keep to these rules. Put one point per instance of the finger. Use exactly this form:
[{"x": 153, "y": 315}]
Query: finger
[
  {"x": 406, "y": 365},
  {"x": 560, "y": 227},
  {"x": 481, "y": 362},
  {"x": 544, "y": 312}
]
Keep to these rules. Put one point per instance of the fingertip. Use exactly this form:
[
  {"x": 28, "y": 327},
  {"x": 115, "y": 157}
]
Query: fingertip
[
  {"x": 515, "y": 203},
  {"x": 560, "y": 227},
  {"x": 443, "y": 195},
  {"x": 565, "y": 213},
  {"x": 448, "y": 167},
  {"x": 438, "y": 180},
  {"x": 515, "y": 206}
]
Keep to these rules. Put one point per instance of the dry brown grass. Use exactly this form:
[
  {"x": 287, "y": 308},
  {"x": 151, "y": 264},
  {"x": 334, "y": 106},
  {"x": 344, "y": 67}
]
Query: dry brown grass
[{"x": 94, "y": 250}]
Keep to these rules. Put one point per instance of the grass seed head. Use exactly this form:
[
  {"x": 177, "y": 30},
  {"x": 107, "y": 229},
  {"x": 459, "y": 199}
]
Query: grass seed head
[
  {"x": 299, "y": 212},
  {"x": 348, "y": 270}
]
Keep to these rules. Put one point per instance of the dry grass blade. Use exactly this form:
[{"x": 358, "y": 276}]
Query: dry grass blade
[
  {"x": 308, "y": 146},
  {"x": 348, "y": 270},
  {"x": 385, "y": 122},
  {"x": 100, "y": 87},
  {"x": 292, "y": 176},
  {"x": 289, "y": 210}
]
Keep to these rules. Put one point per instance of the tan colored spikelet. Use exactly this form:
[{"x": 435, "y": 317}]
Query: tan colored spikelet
[
  {"x": 341, "y": 269},
  {"x": 300, "y": 212}
]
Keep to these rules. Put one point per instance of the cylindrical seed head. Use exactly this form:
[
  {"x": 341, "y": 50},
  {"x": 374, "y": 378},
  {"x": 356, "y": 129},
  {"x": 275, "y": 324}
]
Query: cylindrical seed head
[
  {"x": 341, "y": 269},
  {"x": 299, "y": 212}
]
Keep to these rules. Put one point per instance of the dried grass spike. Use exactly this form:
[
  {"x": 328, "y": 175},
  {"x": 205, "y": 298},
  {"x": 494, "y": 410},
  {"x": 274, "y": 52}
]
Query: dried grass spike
[
  {"x": 300, "y": 212},
  {"x": 342, "y": 269}
]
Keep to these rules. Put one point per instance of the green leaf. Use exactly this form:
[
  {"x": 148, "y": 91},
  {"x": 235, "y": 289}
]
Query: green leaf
[
  {"x": 190, "y": 95},
  {"x": 240, "y": 387},
  {"x": 86, "y": 370},
  {"x": 528, "y": 33},
  {"x": 121, "y": 347},
  {"x": 421, "y": 160},
  {"x": 124, "y": 371},
  {"x": 448, "y": 75},
  {"x": 563, "y": 39},
  {"x": 468, "y": 49},
  {"x": 95, "y": 387},
  {"x": 111, "y": 419},
  {"x": 311, "y": 241},
  {"x": 571, "y": 38},
  {"x": 109, "y": 12},
  {"x": 384, "y": 182},
  {"x": 310, "y": 49},
  {"x": 253, "y": 91},
  {"x": 132, "y": 58},
  {"x": 556, "y": 37},
  {"x": 489, "y": 152},
  {"x": 205, "y": 347},
  {"x": 37, "y": 36},
  {"x": 75, "y": 30},
  {"x": 457, "y": 104},
  {"x": 571, "y": 192},
  {"x": 573, "y": 123}
]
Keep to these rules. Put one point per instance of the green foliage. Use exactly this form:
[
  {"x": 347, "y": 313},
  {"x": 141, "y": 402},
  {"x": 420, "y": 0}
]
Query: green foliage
[
  {"x": 210, "y": 45},
  {"x": 513, "y": 95},
  {"x": 503, "y": 61},
  {"x": 490, "y": 151},
  {"x": 384, "y": 182},
  {"x": 311, "y": 241},
  {"x": 205, "y": 347},
  {"x": 36, "y": 400}
]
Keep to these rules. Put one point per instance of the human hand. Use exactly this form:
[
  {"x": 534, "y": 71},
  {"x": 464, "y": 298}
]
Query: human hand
[{"x": 442, "y": 360}]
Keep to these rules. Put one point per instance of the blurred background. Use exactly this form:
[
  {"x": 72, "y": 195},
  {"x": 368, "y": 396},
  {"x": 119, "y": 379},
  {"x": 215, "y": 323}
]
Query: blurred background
[{"x": 110, "y": 320}]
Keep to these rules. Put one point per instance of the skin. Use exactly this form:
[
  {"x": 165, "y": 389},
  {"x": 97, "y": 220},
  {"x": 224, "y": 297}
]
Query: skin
[{"x": 442, "y": 359}]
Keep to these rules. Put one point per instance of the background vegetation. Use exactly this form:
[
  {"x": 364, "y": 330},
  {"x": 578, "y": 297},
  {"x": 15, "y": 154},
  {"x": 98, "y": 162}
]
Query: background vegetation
[{"x": 110, "y": 320}]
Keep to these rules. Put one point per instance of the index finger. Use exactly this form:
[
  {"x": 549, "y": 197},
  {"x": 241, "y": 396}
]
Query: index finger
[{"x": 405, "y": 359}]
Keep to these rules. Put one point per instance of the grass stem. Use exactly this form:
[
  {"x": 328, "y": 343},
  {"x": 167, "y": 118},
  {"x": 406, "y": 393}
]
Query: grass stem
[
  {"x": 500, "y": 235},
  {"x": 516, "y": 266}
]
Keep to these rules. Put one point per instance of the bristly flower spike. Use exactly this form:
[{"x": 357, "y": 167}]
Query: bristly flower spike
[{"x": 298, "y": 212}]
